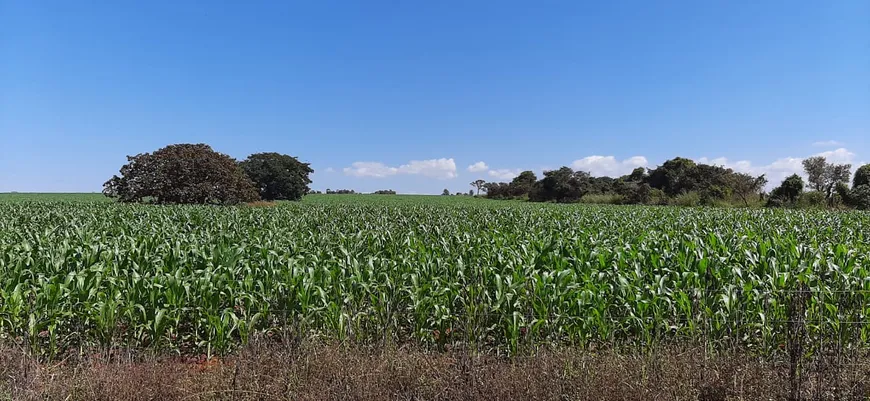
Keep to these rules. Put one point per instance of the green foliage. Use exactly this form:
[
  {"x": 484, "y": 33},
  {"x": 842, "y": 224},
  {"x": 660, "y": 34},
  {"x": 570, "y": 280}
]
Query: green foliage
[
  {"x": 815, "y": 169},
  {"x": 563, "y": 186},
  {"x": 181, "y": 174},
  {"x": 637, "y": 193},
  {"x": 824, "y": 177},
  {"x": 788, "y": 192},
  {"x": 478, "y": 185},
  {"x": 277, "y": 176},
  {"x": 745, "y": 186},
  {"x": 657, "y": 197},
  {"x": 687, "y": 199},
  {"x": 862, "y": 176},
  {"x": 369, "y": 269},
  {"x": 522, "y": 184},
  {"x": 859, "y": 197},
  {"x": 812, "y": 199},
  {"x": 673, "y": 176}
]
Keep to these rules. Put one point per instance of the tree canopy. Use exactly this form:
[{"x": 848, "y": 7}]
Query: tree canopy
[
  {"x": 563, "y": 185},
  {"x": 673, "y": 178},
  {"x": 862, "y": 176},
  {"x": 277, "y": 176},
  {"x": 181, "y": 174}
]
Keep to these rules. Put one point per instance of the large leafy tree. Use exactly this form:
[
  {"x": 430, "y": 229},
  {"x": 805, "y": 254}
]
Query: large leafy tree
[
  {"x": 746, "y": 186},
  {"x": 522, "y": 184},
  {"x": 563, "y": 185},
  {"x": 862, "y": 176},
  {"x": 497, "y": 190},
  {"x": 673, "y": 176},
  {"x": 277, "y": 176},
  {"x": 789, "y": 191},
  {"x": 183, "y": 173},
  {"x": 824, "y": 177},
  {"x": 815, "y": 169}
]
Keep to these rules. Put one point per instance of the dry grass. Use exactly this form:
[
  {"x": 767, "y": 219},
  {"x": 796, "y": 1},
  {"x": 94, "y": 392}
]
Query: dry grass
[
  {"x": 261, "y": 204},
  {"x": 333, "y": 372}
]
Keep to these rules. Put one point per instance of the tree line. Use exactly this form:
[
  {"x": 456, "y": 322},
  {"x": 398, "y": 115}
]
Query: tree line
[
  {"x": 196, "y": 174},
  {"x": 682, "y": 181}
]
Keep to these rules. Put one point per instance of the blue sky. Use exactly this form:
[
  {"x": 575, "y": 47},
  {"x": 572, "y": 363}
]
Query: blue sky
[{"x": 410, "y": 95}]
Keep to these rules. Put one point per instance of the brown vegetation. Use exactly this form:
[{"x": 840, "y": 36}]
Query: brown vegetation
[
  {"x": 334, "y": 372},
  {"x": 261, "y": 204}
]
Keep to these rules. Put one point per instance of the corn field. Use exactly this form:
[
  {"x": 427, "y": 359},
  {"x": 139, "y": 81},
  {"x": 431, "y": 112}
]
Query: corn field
[{"x": 430, "y": 271}]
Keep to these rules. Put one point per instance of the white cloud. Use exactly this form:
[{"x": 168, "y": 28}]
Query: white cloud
[
  {"x": 827, "y": 143},
  {"x": 330, "y": 170},
  {"x": 839, "y": 156},
  {"x": 478, "y": 167},
  {"x": 504, "y": 173},
  {"x": 608, "y": 165},
  {"x": 434, "y": 168},
  {"x": 370, "y": 169}
]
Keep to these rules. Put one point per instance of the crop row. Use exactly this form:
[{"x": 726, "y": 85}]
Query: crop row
[{"x": 484, "y": 274}]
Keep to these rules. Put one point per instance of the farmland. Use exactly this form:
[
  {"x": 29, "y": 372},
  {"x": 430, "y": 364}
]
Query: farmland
[{"x": 496, "y": 276}]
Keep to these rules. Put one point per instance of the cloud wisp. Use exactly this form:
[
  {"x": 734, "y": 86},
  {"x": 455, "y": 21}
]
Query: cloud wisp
[{"x": 433, "y": 168}]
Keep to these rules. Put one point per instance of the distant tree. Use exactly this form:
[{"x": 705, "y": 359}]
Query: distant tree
[
  {"x": 633, "y": 192},
  {"x": 522, "y": 184},
  {"x": 824, "y": 177},
  {"x": 446, "y": 192},
  {"x": 862, "y": 176},
  {"x": 182, "y": 173},
  {"x": 385, "y": 192},
  {"x": 340, "y": 192},
  {"x": 277, "y": 176},
  {"x": 789, "y": 191},
  {"x": 478, "y": 184},
  {"x": 637, "y": 175},
  {"x": 746, "y": 186},
  {"x": 497, "y": 190},
  {"x": 563, "y": 185},
  {"x": 815, "y": 169},
  {"x": 673, "y": 176},
  {"x": 471, "y": 192},
  {"x": 602, "y": 185}
]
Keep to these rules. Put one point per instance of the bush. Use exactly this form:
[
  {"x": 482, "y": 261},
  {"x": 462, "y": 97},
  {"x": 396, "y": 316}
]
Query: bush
[
  {"x": 859, "y": 197},
  {"x": 813, "y": 199},
  {"x": 182, "y": 174},
  {"x": 658, "y": 197},
  {"x": 713, "y": 195},
  {"x": 775, "y": 202},
  {"x": 687, "y": 199}
]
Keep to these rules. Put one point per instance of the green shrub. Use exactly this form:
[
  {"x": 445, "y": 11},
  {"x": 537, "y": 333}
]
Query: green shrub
[
  {"x": 859, "y": 197},
  {"x": 814, "y": 199},
  {"x": 657, "y": 197},
  {"x": 687, "y": 199}
]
